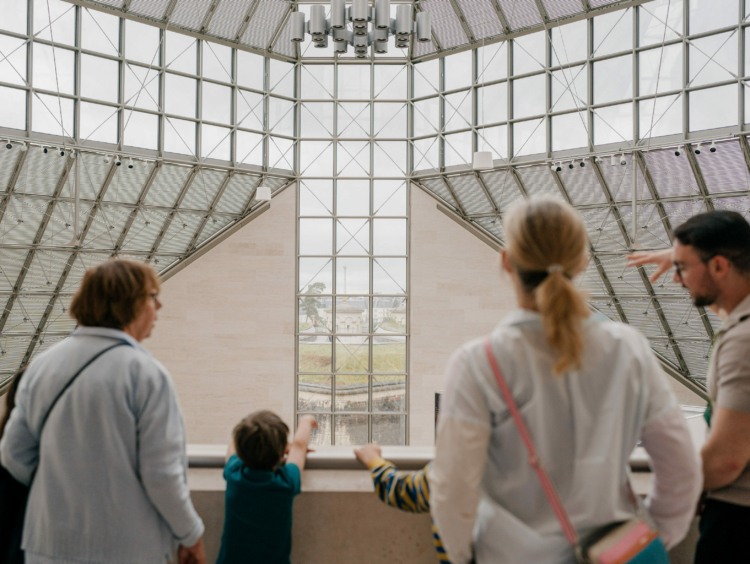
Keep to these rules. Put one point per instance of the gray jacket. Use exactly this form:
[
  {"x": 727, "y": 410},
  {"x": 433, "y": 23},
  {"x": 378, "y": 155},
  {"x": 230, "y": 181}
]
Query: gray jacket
[{"x": 111, "y": 470}]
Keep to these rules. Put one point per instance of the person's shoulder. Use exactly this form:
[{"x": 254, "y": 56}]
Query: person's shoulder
[
  {"x": 233, "y": 468},
  {"x": 288, "y": 475}
]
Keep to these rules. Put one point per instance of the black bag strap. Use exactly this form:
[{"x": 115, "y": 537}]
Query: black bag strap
[{"x": 84, "y": 367}]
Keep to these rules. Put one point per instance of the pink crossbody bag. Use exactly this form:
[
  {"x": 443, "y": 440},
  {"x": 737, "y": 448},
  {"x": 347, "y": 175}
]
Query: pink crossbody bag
[{"x": 630, "y": 542}]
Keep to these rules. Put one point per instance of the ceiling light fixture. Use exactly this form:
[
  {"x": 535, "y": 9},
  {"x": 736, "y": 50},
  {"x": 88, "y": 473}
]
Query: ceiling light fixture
[
  {"x": 360, "y": 15},
  {"x": 263, "y": 194},
  {"x": 712, "y": 148},
  {"x": 130, "y": 162},
  {"x": 8, "y": 144},
  {"x": 698, "y": 149}
]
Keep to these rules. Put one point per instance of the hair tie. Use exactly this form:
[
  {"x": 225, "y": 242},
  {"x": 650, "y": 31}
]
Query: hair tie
[{"x": 551, "y": 269}]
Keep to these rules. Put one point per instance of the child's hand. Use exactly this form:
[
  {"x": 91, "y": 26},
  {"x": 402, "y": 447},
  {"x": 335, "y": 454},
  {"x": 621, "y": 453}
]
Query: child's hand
[
  {"x": 367, "y": 453},
  {"x": 308, "y": 420}
]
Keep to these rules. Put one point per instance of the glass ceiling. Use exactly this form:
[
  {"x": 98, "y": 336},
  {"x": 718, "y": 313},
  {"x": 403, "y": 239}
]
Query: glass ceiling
[{"x": 204, "y": 121}]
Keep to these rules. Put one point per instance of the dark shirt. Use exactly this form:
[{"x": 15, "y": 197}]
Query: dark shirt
[{"x": 258, "y": 514}]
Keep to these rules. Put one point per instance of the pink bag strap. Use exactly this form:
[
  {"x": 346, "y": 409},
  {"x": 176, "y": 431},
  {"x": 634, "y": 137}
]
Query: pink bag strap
[{"x": 549, "y": 489}]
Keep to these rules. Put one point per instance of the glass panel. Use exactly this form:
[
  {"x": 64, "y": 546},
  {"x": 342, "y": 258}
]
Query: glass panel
[
  {"x": 613, "y": 79},
  {"x": 529, "y": 96},
  {"x": 613, "y": 124},
  {"x": 179, "y": 136},
  {"x": 316, "y": 158},
  {"x": 15, "y": 16},
  {"x": 353, "y": 197},
  {"x": 389, "y": 429},
  {"x": 315, "y": 313},
  {"x": 314, "y": 353},
  {"x": 180, "y": 95},
  {"x": 389, "y": 393},
  {"x": 354, "y": 120},
  {"x": 142, "y": 43},
  {"x": 282, "y": 78},
  {"x": 389, "y": 197},
  {"x": 54, "y": 21},
  {"x": 101, "y": 32},
  {"x": 426, "y": 153},
  {"x": 322, "y": 435},
  {"x": 313, "y": 272},
  {"x": 281, "y": 116},
  {"x": 569, "y": 44},
  {"x": 217, "y": 103},
  {"x": 458, "y": 70},
  {"x": 181, "y": 53},
  {"x": 317, "y": 119},
  {"x": 100, "y": 78},
  {"x": 492, "y": 103},
  {"x": 570, "y": 131},
  {"x": 12, "y": 60},
  {"x": 249, "y": 110},
  {"x": 317, "y": 82},
  {"x": 457, "y": 148},
  {"x": 458, "y": 110},
  {"x": 249, "y": 148},
  {"x": 216, "y": 142},
  {"x": 315, "y": 236},
  {"x": 389, "y": 315},
  {"x": 426, "y": 78},
  {"x": 352, "y": 354},
  {"x": 352, "y": 392},
  {"x": 713, "y": 59},
  {"x": 495, "y": 140},
  {"x": 713, "y": 107},
  {"x": 54, "y": 69},
  {"x": 353, "y": 158},
  {"x": 706, "y": 16},
  {"x": 666, "y": 117},
  {"x": 314, "y": 392},
  {"x": 351, "y": 315},
  {"x": 47, "y": 118},
  {"x": 217, "y": 61},
  {"x": 389, "y": 354},
  {"x": 316, "y": 197},
  {"x": 492, "y": 62},
  {"x": 352, "y": 237},
  {"x": 351, "y": 430},
  {"x": 354, "y": 82},
  {"x": 389, "y": 237},
  {"x": 13, "y": 108},
  {"x": 389, "y": 120},
  {"x": 388, "y": 275},
  {"x": 569, "y": 88},
  {"x": 352, "y": 276},
  {"x": 426, "y": 117},
  {"x": 390, "y": 82},
  {"x": 655, "y": 17},
  {"x": 281, "y": 153},
  {"x": 250, "y": 69},
  {"x": 141, "y": 87},
  {"x": 142, "y": 130},
  {"x": 529, "y": 137},
  {"x": 613, "y": 32},
  {"x": 529, "y": 53},
  {"x": 390, "y": 158},
  {"x": 98, "y": 123},
  {"x": 669, "y": 60}
]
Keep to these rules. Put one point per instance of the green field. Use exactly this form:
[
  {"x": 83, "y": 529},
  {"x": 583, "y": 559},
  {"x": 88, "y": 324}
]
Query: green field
[{"x": 386, "y": 358}]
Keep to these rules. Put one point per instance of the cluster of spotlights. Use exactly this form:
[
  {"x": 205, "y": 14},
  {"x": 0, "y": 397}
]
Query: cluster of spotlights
[
  {"x": 698, "y": 149},
  {"x": 571, "y": 165},
  {"x": 118, "y": 161},
  {"x": 61, "y": 151}
]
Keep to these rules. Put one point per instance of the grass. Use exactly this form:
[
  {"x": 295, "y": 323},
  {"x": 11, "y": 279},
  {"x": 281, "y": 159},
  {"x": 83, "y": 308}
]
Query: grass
[{"x": 389, "y": 358}]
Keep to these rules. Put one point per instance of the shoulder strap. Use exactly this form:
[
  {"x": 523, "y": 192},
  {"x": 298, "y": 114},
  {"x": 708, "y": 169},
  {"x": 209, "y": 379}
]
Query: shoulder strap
[
  {"x": 549, "y": 489},
  {"x": 86, "y": 365}
]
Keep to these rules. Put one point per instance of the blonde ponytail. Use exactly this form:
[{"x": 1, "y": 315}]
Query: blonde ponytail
[{"x": 547, "y": 244}]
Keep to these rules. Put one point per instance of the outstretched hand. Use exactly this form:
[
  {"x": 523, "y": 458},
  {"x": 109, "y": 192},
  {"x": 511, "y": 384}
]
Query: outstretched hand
[
  {"x": 662, "y": 260},
  {"x": 195, "y": 554},
  {"x": 367, "y": 453}
]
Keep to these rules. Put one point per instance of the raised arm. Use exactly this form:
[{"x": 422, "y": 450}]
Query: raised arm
[
  {"x": 662, "y": 260},
  {"x": 407, "y": 491},
  {"x": 298, "y": 451}
]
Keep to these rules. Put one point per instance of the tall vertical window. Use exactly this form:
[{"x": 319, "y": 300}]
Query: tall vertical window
[{"x": 353, "y": 247}]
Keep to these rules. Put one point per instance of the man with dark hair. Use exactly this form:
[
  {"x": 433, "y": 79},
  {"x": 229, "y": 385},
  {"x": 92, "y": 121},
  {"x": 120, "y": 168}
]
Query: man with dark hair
[{"x": 711, "y": 256}]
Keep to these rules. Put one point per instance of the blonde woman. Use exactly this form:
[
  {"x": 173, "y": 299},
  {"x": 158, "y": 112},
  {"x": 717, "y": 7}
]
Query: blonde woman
[{"x": 587, "y": 390}]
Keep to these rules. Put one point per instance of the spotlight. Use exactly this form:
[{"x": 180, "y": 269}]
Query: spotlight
[
  {"x": 582, "y": 163},
  {"x": 62, "y": 151},
  {"x": 677, "y": 152},
  {"x": 24, "y": 147},
  {"x": 43, "y": 150},
  {"x": 712, "y": 148},
  {"x": 571, "y": 165},
  {"x": 106, "y": 158},
  {"x": 145, "y": 164},
  {"x": 8, "y": 144},
  {"x": 118, "y": 162},
  {"x": 552, "y": 167},
  {"x": 130, "y": 163},
  {"x": 698, "y": 149},
  {"x": 559, "y": 166},
  {"x": 623, "y": 162},
  {"x": 612, "y": 160},
  {"x": 597, "y": 160}
]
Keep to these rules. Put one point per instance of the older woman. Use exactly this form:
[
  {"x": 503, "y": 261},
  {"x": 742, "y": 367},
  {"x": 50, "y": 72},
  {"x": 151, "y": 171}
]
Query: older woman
[{"x": 107, "y": 463}]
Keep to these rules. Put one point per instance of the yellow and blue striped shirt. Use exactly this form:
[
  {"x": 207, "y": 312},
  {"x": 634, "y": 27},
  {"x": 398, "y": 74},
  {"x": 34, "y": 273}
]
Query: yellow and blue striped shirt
[{"x": 407, "y": 491}]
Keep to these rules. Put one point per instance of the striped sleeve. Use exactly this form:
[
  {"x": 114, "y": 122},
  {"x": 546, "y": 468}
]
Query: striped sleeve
[{"x": 407, "y": 491}]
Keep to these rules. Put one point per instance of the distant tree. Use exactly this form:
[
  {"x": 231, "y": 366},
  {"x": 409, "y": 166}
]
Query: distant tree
[{"x": 311, "y": 303}]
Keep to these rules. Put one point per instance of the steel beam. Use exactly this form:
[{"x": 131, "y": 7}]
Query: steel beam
[
  {"x": 5, "y": 200},
  {"x": 462, "y": 18},
  {"x": 542, "y": 11},
  {"x": 169, "y": 10},
  {"x": 487, "y": 193},
  {"x": 209, "y": 14},
  {"x": 168, "y": 221},
  {"x": 745, "y": 149},
  {"x": 37, "y": 239},
  {"x": 212, "y": 206},
  {"x": 138, "y": 207},
  {"x": 450, "y": 189},
  {"x": 279, "y": 29},
  {"x": 246, "y": 20},
  {"x": 699, "y": 180},
  {"x": 501, "y": 16}
]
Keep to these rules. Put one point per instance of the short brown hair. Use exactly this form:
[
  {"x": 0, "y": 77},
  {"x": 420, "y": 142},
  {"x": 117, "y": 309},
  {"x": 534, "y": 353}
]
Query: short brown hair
[
  {"x": 260, "y": 440},
  {"x": 113, "y": 293}
]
